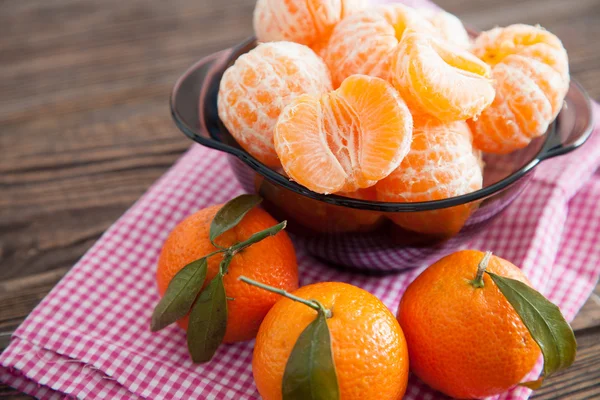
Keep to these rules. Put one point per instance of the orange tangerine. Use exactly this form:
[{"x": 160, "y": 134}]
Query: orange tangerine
[
  {"x": 368, "y": 347},
  {"x": 344, "y": 140},
  {"x": 466, "y": 342},
  {"x": 440, "y": 79},
  {"x": 272, "y": 261},
  {"x": 363, "y": 42},
  {"x": 300, "y": 21},
  {"x": 531, "y": 73},
  {"x": 255, "y": 89},
  {"x": 441, "y": 164}
]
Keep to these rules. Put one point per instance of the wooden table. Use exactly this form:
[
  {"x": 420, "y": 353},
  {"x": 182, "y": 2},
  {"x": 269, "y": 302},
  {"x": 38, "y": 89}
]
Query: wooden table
[{"x": 85, "y": 127}]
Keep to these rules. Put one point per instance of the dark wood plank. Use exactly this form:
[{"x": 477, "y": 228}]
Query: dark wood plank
[{"x": 85, "y": 128}]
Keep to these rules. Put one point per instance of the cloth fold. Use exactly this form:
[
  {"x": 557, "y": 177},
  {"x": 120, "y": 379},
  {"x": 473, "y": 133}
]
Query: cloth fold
[{"x": 90, "y": 337}]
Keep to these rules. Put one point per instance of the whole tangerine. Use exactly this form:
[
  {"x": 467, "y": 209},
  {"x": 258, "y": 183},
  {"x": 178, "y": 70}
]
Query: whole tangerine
[
  {"x": 465, "y": 340},
  {"x": 368, "y": 347},
  {"x": 271, "y": 260}
]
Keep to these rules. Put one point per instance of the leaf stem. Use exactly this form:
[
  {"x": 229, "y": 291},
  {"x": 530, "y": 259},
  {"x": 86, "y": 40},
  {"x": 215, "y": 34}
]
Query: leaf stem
[
  {"x": 257, "y": 237},
  {"x": 314, "y": 304},
  {"x": 221, "y": 250},
  {"x": 478, "y": 281},
  {"x": 224, "y": 266}
]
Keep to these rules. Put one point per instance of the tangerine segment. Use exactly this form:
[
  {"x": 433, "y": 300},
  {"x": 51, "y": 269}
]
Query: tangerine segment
[
  {"x": 440, "y": 79},
  {"x": 255, "y": 89},
  {"x": 385, "y": 121},
  {"x": 368, "y": 346},
  {"x": 441, "y": 164},
  {"x": 344, "y": 140},
  {"x": 300, "y": 21}
]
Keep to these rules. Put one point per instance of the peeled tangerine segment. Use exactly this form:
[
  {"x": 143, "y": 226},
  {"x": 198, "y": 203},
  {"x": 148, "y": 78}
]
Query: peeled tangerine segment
[
  {"x": 440, "y": 79},
  {"x": 344, "y": 140},
  {"x": 441, "y": 164},
  {"x": 255, "y": 89},
  {"x": 531, "y": 78}
]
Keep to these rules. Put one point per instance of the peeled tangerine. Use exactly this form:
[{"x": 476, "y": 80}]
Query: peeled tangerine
[
  {"x": 440, "y": 79},
  {"x": 439, "y": 22},
  {"x": 441, "y": 164},
  {"x": 448, "y": 26},
  {"x": 344, "y": 140},
  {"x": 259, "y": 85},
  {"x": 301, "y": 21},
  {"x": 363, "y": 42},
  {"x": 531, "y": 71}
]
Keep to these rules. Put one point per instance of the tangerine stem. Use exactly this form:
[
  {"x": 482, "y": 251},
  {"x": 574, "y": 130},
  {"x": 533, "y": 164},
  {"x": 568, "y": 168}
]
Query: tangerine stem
[
  {"x": 311, "y": 303},
  {"x": 215, "y": 252},
  {"x": 257, "y": 237},
  {"x": 478, "y": 281}
]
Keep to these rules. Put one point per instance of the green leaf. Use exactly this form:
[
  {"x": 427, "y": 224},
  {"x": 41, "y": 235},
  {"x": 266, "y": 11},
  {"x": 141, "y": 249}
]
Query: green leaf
[
  {"x": 231, "y": 214},
  {"x": 544, "y": 321},
  {"x": 310, "y": 372},
  {"x": 208, "y": 321},
  {"x": 180, "y": 295},
  {"x": 258, "y": 236}
]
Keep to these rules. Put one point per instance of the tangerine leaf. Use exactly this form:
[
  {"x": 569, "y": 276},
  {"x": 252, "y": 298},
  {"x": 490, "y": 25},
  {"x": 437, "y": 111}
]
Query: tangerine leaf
[
  {"x": 231, "y": 214},
  {"x": 180, "y": 295},
  {"x": 310, "y": 372},
  {"x": 544, "y": 321},
  {"x": 208, "y": 321}
]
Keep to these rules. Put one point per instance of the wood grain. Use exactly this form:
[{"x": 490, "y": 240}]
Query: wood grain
[{"x": 85, "y": 127}]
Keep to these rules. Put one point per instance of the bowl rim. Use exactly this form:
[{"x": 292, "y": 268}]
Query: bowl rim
[{"x": 547, "y": 150}]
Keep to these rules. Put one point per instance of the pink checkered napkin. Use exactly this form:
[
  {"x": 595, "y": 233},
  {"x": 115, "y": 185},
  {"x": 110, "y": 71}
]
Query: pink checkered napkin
[{"x": 89, "y": 338}]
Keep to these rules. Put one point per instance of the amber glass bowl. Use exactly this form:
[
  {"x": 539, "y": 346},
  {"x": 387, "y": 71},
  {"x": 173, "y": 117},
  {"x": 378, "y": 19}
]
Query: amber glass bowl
[{"x": 360, "y": 233}]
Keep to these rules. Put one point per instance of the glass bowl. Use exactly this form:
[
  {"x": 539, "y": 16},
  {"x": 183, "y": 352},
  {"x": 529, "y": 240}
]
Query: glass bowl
[{"x": 362, "y": 233}]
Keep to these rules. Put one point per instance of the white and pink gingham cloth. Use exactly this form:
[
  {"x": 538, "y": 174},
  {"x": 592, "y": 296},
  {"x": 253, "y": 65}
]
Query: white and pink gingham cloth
[{"x": 90, "y": 337}]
